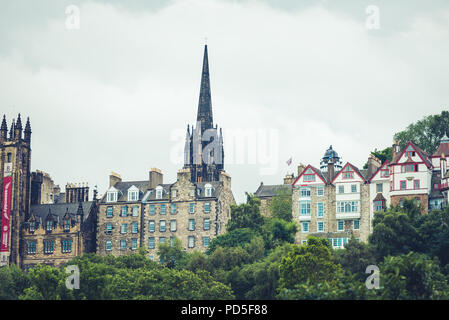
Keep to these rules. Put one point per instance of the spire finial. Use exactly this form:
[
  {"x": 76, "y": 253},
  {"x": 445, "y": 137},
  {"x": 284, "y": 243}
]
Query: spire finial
[{"x": 205, "y": 101}]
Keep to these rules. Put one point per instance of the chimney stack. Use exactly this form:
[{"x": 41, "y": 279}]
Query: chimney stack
[
  {"x": 155, "y": 178},
  {"x": 395, "y": 148},
  {"x": 330, "y": 170},
  {"x": 289, "y": 178},
  {"x": 301, "y": 168},
  {"x": 373, "y": 164},
  {"x": 114, "y": 178}
]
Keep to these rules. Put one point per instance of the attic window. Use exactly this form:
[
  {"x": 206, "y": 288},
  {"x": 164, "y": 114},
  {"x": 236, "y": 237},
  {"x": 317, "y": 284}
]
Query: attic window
[
  {"x": 133, "y": 195},
  {"x": 112, "y": 196},
  {"x": 208, "y": 190},
  {"x": 67, "y": 225},
  {"x": 49, "y": 226},
  {"x": 159, "y": 192},
  {"x": 32, "y": 226}
]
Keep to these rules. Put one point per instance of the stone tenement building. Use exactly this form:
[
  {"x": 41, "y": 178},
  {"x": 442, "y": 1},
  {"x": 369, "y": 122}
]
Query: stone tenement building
[
  {"x": 135, "y": 214},
  {"x": 56, "y": 233},
  {"x": 194, "y": 209}
]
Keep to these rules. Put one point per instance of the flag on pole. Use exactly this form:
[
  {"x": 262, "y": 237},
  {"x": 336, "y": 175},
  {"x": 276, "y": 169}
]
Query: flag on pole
[{"x": 289, "y": 161}]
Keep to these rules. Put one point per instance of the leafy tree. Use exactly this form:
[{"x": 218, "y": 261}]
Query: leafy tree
[
  {"x": 281, "y": 205},
  {"x": 278, "y": 231},
  {"x": 47, "y": 283},
  {"x": 355, "y": 258},
  {"x": 395, "y": 231},
  {"x": 309, "y": 263},
  {"x": 234, "y": 238},
  {"x": 425, "y": 133},
  {"x": 246, "y": 215},
  {"x": 382, "y": 155},
  {"x": 412, "y": 276},
  {"x": 172, "y": 256},
  {"x": 13, "y": 282}
]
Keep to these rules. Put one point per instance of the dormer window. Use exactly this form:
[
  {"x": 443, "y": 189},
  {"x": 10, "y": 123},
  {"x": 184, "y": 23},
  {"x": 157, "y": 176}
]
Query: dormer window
[
  {"x": 159, "y": 190},
  {"x": 67, "y": 225},
  {"x": 208, "y": 190},
  {"x": 49, "y": 226},
  {"x": 112, "y": 195},
  {"x": 32, "y": 226},
  {"x": 133, "y": 194}
]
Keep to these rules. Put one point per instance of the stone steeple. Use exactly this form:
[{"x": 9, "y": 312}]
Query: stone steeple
[{"x": 205, "y": 101}]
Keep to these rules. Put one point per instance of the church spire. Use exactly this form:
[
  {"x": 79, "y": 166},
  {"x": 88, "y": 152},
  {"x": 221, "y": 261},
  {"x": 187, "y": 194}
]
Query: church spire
[{"x": 205, "y": 102}]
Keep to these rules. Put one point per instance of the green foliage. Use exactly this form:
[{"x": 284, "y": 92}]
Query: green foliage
[
  {"x": 172, "y": 256},
  {"x": 246, "y": 215},
  {"x": 412, "y": 276},
  {"x": 278, "y": 231},
  {"x": 281, "y": 205},
  {"x": 355, "y": 257},
  {"x": 425, "y": 133},
  {"x": 232, "y": 238},
  {"x": 12, "y": 282},
  {"x": 312, "y": 262},
  {"x": 382, "y": 155}
]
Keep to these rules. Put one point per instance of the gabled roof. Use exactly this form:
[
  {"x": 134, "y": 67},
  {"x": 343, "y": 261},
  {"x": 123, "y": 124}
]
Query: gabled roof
[
  {"x": 421, "y": 153},
  {"x": 315, "y": 170},
  {"x": 382, "y": 167},
  {"x": 356, "y": 170},
  {"x": 379, "y": 197}
]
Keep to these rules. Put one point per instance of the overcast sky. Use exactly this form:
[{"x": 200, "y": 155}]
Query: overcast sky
[{"x": 117, "y": 93}]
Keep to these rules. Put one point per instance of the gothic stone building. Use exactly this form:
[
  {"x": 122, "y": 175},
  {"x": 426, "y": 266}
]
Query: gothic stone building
[
  {"x": 15, "y": 181},
  {"x": 56, "y": 233},
  {"x": 194, "y": 209}
]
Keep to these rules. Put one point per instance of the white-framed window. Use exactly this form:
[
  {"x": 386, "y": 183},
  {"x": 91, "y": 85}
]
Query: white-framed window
[
  {"x": 340, "y": 225},
  {"x": 208, "y": 190},
  {"x": 151, "y": 226},
  {"x": 347, "y": 206},
  {"x": 357, "y": 224},
  {"x": 191, "y": 224},
  {"x": 111, "y": 196},
  {"x": 206, "y": 224},
  {"x": 159, "y": 191},
  {"x": 341, "y": 189},
  {"x": 206, "y": 241},
  {"x": 123, "y": 228},
  {"x": 134, "y": 244},
  {"x": 133, "y": 194},
  {"x": 108, "y": 245},
  {"x": 304, "y": 192},
  {"x": 353, "y": 188},
  {"x": 174, "y": 193},
  {"x": 151, "y": 242},
  {"x": 320, "y": 191},
  {"x": 135, "y": 211},
  {"x": 207, "y": 207},
  {"x": 320, "y": 226},
  {"x": 135, "y": 227},
  {"x": 172, "y": 225},
  {"x": 305, "y": 226},
  {"x": 191, "y": 241},
  {"x": 162, "y": 226},
  {"x": 320, "y": 209},
  {"x": 379, "y": 187},
  {"x": 191, "y": 208},
  {"x": 304, "y": 208}
]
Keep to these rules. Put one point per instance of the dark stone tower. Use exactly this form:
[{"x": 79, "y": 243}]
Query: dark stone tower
[
  {"x": 203, "y": 152},
  {"x": 15, "y": 184}
]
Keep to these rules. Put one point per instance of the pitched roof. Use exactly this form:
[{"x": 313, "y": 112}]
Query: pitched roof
[
  {"x": 271, "y": 190},
  {"x": 385, "y": 164},
  {"x": 356, "y": 170},
  {"x": 421, "y": 153},
  {"x": 443, "y": 148},
  {"x": 59, "y": 210},
  {"x": 316, "y": 170}
]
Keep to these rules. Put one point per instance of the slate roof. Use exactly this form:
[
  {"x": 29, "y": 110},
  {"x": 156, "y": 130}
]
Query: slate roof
[
  {"x": 57, "y": 211},
  {"x": 217, "y": 188},
  {"x": 271, "y": 190},
  {"x": 123, "y": 187},
  {"x": 442, "y": 148}
]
